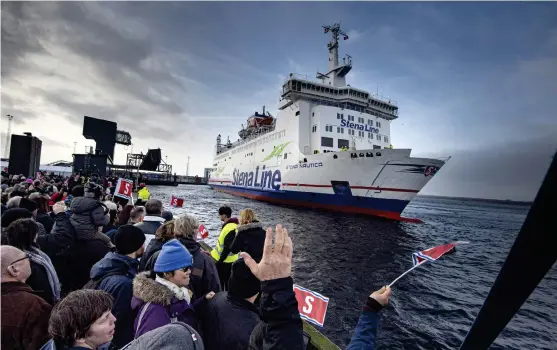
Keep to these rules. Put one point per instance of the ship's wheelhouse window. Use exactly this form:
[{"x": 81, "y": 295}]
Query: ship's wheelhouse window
[
  {"x": 327, "y": 141},
  {"x": 303, "y": 85},
  {"x": 342, "y": 143}
]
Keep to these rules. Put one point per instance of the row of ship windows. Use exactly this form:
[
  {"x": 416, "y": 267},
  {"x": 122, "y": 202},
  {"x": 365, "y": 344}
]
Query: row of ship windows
[
  {"x": 329, "y": 128},
  {"x": 360, "y": 120}
]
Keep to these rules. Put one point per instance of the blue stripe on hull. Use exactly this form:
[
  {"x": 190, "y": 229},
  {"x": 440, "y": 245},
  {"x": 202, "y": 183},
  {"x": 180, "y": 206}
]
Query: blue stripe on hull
[{"x": 394, "y": 206}]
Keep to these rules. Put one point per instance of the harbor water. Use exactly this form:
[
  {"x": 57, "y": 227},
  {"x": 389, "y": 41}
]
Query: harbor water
[{"x": 345, "y": 257}]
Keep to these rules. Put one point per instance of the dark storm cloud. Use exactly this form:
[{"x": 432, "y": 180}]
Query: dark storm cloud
[{"x": 88, "y": 32}]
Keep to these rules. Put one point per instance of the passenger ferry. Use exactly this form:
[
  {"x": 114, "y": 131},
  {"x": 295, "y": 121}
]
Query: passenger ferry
[{"x": 329, "y": 147}]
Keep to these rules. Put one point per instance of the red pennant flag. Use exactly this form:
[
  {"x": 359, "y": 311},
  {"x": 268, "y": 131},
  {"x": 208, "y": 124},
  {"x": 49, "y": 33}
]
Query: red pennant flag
[{"x": 202, "y": 232}]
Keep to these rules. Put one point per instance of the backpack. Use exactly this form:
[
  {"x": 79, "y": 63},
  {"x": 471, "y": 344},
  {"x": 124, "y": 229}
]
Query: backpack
[{"x": 94, "y": 283}]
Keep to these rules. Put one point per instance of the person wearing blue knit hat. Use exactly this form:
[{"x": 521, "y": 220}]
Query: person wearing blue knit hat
[{"x": 160, "y": 296}]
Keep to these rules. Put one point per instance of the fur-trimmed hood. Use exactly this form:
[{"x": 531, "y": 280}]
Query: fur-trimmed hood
[
  {"x": 149, "y": 291},
  {"x": 250, "y": 226}
]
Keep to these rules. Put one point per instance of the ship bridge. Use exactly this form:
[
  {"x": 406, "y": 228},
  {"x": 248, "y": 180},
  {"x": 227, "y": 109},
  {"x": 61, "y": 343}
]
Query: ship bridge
[
  {"x": 331, "y": 88},
  {"x": 298, "y": 87}
]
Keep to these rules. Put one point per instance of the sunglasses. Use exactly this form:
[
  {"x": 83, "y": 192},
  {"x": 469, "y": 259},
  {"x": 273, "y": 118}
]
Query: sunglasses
[
  {"x": 18, "y": 260},
  {"x": 185, "y": 269}
]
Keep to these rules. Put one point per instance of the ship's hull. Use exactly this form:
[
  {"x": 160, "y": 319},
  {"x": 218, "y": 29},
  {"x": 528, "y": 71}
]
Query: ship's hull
[{"x": 379, "y": 185}]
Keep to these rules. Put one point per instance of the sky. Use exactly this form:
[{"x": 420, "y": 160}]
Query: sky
[{"x": 474, "y": 81}]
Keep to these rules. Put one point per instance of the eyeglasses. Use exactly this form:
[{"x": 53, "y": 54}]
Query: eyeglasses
[
  {"x": 185, "y": 269},
  {"x": 18, "y": 260}
]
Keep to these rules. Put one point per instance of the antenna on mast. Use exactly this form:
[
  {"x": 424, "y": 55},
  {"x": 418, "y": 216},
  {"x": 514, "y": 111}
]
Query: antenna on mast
[{"x": 337, "y": 73}]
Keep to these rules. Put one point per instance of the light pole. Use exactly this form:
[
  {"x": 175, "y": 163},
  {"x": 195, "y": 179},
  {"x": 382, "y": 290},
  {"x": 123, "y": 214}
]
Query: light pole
[
  {"x": 8, "y": 136},
  {"x": 188, "y": 167}
]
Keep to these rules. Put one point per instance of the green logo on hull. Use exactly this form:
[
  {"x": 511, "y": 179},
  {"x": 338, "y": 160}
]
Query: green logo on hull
[{"x": 276, "y": 151}]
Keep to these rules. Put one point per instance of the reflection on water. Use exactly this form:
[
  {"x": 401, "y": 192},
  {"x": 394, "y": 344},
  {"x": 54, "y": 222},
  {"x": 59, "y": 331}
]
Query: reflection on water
[{"x": 345, "y": 257}]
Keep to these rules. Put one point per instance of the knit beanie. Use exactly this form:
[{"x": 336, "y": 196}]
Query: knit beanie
[
  {"x": 14, "y": 214},
  {"x": 167, "y": 215},
  {"x": 243, "y": 284},
  {"x": 128, "y": 239},
  {"x": 28, "y": 204},
  {"x": 173, "y": 256}
]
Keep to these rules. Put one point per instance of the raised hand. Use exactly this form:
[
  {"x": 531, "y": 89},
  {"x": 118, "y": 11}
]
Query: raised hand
[
  {"x": 382, "y": 295},
  {"x": 277, "y": 261},
  {"x": 58, "y": 207}
]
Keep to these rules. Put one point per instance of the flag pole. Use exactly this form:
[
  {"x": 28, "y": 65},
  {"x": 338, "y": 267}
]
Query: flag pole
[{"x": 399, "y": 277}]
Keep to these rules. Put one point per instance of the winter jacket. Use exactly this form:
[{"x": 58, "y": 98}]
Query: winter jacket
[
  {"x": 204, "y": 277},
  {"x": 87, "y": 215},
  {"x": 366, "y": 330},
  {"x": 24, "y": 317},
  {"x": 85, "y": 254},
  {"x": 46, "y": 221},
  {"x": 38, "y": 282},
  {"x": 282, "y": 326},
  {"x": 249, "y": 238},
  {"x": 228, "y": 322},
  {"x": 51, "y": 346},
  {"x": 150, "y": 224},
  {"x": 155, "y": 304},
  {"x": 58, "y": 245},
  {"x": 122, "y": 270},
  {"x": 173, "y": 336},
  {"x": 154, "y": 246}
]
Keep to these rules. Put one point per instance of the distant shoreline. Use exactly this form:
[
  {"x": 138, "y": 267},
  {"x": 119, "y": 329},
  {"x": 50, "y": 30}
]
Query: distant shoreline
[{"x": 489, "y": 200}]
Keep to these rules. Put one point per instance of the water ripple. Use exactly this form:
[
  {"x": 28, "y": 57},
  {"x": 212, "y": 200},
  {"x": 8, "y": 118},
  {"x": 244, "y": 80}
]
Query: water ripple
[{"x": 345, "y": 257}]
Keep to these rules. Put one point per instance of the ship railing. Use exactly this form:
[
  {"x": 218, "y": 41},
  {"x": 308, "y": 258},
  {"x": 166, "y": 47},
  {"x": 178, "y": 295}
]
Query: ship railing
[
  {"x": 314, "y": 80},
  {"x": 263, "y": 131}
]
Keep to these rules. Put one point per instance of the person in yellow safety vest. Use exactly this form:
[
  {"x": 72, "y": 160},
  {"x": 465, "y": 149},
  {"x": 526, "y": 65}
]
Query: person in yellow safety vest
[
  {"x": 221, "y": 253},
  {"x": 143, "y": 193}
]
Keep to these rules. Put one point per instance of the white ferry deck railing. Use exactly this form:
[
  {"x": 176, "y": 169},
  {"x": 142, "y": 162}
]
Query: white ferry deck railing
[
  {"x": 263, "y": 131},
  {"x": 317, "y": 81}
]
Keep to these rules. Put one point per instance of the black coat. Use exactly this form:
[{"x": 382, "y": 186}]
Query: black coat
[
  {"x": 59, "y": 245},
  {"x": 249, "y": 238},
  {"x": 228, "y": 322},
  {"x": 85, "y": 254},
  {"x": 147, "y": 261},
  {"x": 204, "y": 277},
  {"x": 282, "y": 326},
  {"x": 46, "y": 220},
  {"x": 38, "y": 281}
]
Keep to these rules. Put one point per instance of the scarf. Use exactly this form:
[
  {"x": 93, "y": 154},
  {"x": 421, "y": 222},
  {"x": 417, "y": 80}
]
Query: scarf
[
  {"x": 39, "y": 257},
  {"x": 181, "y": 293}
]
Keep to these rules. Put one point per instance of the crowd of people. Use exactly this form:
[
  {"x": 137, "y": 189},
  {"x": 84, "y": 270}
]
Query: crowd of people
[{"x": 81, "y": 269}]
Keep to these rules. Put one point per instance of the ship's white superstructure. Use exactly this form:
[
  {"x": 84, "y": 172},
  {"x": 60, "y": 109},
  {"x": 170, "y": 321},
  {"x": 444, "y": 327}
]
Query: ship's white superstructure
[{"x": 329, "y": 147}]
